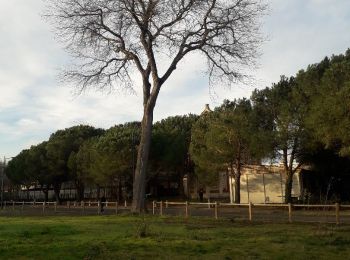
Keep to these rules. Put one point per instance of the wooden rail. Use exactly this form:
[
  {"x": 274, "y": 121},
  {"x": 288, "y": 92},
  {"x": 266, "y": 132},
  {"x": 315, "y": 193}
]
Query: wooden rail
[
  {"x": 161, "y": 207},
  {"x": 250, "y": 206},
  {"x": 78, "y": 205}
]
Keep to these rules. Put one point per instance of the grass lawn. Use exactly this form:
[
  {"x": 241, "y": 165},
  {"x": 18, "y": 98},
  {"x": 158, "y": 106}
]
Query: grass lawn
[{"x": 127, "y": 237}]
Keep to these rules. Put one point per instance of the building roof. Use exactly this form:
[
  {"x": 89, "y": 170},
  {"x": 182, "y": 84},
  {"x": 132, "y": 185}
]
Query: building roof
[{"x": 206, "y": 109}]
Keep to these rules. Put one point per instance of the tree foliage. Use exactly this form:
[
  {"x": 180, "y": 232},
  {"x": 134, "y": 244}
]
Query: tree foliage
[
  {"x": 112, "y": 156},
  {"x": 16, "y": 169},
  {"x": 169, "y": 154},
  {"x": 329, "y": 115},
  {"x": 286, "y": 111},
  {"x": 225, "y": 140},
  {"x": 61, "y": 155}
]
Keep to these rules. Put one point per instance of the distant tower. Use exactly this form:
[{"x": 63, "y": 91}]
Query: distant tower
[{"x": 206, "y": 109}]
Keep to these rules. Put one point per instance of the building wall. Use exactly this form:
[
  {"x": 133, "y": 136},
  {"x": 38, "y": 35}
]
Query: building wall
[
  {"x": 259, "y": 184},
  {"x": 264, "y": 184}
]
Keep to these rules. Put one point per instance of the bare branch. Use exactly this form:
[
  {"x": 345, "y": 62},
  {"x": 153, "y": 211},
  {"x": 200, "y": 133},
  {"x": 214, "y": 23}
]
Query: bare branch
[{"x": 136, "y": 33}]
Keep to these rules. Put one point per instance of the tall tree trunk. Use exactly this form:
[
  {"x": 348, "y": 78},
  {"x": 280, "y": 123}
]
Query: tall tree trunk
[
  {"x": 288, "y": 168},
  {"x": 288, "y": 187},
  {"x": 238, "y": 176},
  {"x": 238, "y": 182},
  {"x": 138, "y": 202},
  {"x": 238, "y": 188}
]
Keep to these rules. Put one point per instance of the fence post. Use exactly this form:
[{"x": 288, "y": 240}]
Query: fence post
[
  {"x": 250, "y": 211},
  {"x": 209, "y": 203},
  {"x": 166, "y": 204},
  {"x": 74, "y": 204},
  {"x": 13, "y": 205},
  {"x": 55, "y": 206},
  {"x": 161, "y": 208},
  {"x": 116, "y": 207},
  {"x": 22, "y": 205},
  {"x": 337, "y": 209},
  {"x": 89, "y": 203},
  {"x": 216, "y": 210},
  {"x": 125, "y": 204},
  {"x": 83, "y": 206},
  {"x": 68, "y": 204},
  {"x": 98, "y": 208},
  {"x": 153, "y": 207},
  {"x": 44, "y": 207},
  {"x": 290, "y": 212},
  {"x": 186, "y": 209}
]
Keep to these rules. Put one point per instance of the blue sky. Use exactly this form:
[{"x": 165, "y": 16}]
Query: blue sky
[{"x": 33, "y": 104}]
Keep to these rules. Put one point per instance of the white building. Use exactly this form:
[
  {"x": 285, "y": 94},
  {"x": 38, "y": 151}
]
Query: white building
[
  {"x": 259, "y": 184},
  {"x": 264, "y": 184}
]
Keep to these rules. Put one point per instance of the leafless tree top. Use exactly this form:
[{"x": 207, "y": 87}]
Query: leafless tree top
[{"x": 112, "y": 38}]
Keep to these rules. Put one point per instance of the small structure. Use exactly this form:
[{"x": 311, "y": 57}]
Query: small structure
[
  {"x": 264, "y": 184},
  {"x": 259, "y": 184},
  {"x": 206, "y": 109}
]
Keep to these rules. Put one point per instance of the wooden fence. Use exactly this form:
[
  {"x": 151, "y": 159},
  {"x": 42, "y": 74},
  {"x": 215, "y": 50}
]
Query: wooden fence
[
  {"x": 182, "y": 208},
  {"x": 215, "y": 206},
  {"x": 83, "y": 205}
]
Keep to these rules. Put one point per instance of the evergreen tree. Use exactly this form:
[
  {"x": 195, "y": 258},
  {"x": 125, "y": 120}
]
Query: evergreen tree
[{"x": 224, "y": 140}]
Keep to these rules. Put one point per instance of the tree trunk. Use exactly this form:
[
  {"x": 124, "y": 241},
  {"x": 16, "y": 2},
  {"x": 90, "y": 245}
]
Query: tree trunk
[
  {"x": 57, "y": 189},
  {"x": 238, "y": 188},
  {"x": 80, "y": 190},
  {"x": 119, "y": 191},
  {"x": 98, "y": 191},
  {"x": 238, "y": 177},
  {"x": 138, "y": 202},
  {"x": 181, "y": 191},
  {"x": 288, "y": 188},
  {"x": 46, "y": 194},
  {"x": 28, "y": 191}
]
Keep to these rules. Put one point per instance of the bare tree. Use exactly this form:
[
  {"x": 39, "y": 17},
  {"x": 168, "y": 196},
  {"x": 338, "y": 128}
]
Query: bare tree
[{"x": 111, "y": 39}]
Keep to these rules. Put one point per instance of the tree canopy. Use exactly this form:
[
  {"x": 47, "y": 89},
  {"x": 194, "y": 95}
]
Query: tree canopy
[
  {"x": 329, "y": 115},
  {"x": 225, "y": 140},
  {"x": 169, "y": 153},
  {"x": 61, "y": 152},
  {"x": 112, "y": 156}
]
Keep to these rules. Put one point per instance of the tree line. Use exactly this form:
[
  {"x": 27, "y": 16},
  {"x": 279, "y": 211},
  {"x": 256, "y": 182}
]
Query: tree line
[
  {"x": 94, "y": 157},
  {"x": 300, "y": 120}
]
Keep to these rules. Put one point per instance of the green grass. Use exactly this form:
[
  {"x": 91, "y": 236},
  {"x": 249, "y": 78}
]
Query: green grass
[{"x": 127, "y": 237}]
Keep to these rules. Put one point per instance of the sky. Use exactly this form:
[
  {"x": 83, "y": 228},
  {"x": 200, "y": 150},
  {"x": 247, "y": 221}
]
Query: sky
[{"x": 34, "y": 103}]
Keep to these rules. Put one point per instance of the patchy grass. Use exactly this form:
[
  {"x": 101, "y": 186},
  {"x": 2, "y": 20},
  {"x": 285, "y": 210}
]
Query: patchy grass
[{"x": 128, "y": 237}]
